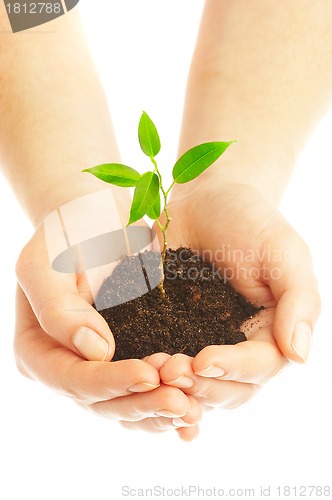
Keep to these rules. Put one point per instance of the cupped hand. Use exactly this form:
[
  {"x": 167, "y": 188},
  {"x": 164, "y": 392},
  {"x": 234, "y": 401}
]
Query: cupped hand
[
  {"x": 252, "y": 245},
  {"x": 62, "y": 341}
]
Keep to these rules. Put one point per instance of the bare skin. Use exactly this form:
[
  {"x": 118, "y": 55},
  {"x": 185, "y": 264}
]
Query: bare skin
[
  {"x": 66, "y": 112},
  {"x": 262, "y": 74}
]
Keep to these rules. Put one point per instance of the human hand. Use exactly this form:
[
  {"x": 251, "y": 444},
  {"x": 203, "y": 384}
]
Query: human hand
[
  {"x": 268, "y": 263},
  {"x": 51, "y": 308}
]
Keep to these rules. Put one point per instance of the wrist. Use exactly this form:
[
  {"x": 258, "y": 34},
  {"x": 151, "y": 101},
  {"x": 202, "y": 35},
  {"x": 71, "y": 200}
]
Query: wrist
[{"x": 50, "y": 198}]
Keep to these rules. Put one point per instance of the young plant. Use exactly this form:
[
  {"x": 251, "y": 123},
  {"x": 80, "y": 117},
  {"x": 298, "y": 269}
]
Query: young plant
[{"x": 149, "y": 188}]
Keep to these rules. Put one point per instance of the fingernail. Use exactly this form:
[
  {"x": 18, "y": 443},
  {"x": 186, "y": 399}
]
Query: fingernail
[
  {"x": 91, "y": 345},
  {"x": 212, "y": 371},
  {"x": 142, "y": 387},
  {"x": 302, "y": 340},
  {"x": 182, "y": 382},
  {"x": 166, "y": 413},
  {"x": 178, "y": 422}
]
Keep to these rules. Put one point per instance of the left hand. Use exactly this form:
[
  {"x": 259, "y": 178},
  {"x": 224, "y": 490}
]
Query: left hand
[
  {"x": 127, "y": 391},
  {"x": 50, "y": 307}
]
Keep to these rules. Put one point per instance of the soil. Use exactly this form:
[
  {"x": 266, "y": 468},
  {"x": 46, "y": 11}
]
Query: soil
[{"x": 198, "y": 309}]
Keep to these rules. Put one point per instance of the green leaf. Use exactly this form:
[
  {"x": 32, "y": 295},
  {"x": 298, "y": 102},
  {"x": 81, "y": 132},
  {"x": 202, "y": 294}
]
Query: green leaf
[
  {"x": 145, "y": 195},
  {"x": 115, "y": 173},
  {"x": 148, "y": 136},
  {"x": 154, "y": 211},
  {"x": 197, "y": 159}
]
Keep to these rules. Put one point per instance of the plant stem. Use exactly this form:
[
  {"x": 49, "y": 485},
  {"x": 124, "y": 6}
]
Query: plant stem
[
  {"x": 168, "y": 190},
  {"x": 168, "y": 220}
]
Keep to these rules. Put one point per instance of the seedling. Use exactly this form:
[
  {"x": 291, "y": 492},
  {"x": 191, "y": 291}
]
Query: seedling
[{"x": 149, "y": 188}]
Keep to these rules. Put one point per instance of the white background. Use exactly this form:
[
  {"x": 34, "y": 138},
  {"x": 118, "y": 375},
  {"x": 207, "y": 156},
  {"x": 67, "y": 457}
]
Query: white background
[{"x": 51, "y": 449}]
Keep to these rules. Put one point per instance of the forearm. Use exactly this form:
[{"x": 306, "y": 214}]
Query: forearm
[
  {"x": 261, "y": 74},
  {"x": 54, "y": 120}
]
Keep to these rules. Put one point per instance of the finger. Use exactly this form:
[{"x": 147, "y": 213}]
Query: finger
[
  {"x": 94, "y": 381},
  {"x": 253, "y": 362},
  {"x": 209, "y": 391},
  {"x": 188, "y": 433},
  {"x": 157, "y": 360},
  {"x": 162, "y": 424},
  {"x": 152, "y": 425},
  {"x": 192, "y": 417},
  {"x": 177, "y": 372},
  {"x": 296, "y": 314},
  {"x": 44, "y": 359},
  {"x": 298, "y": 303},
  {"x": 162, "y": 402},
  {"x": 62, "y": 312}
]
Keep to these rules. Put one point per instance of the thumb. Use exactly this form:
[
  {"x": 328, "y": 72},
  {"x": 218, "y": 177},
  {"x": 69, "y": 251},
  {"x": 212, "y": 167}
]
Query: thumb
[
  {"x": 72, "y": 321},
  {"x": 295, "y": 290},
  {"x": 62, "y": 312}
]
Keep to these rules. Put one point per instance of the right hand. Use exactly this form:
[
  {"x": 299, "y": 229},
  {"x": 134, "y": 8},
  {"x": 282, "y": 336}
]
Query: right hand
[{"x": 255, "y": 248}]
